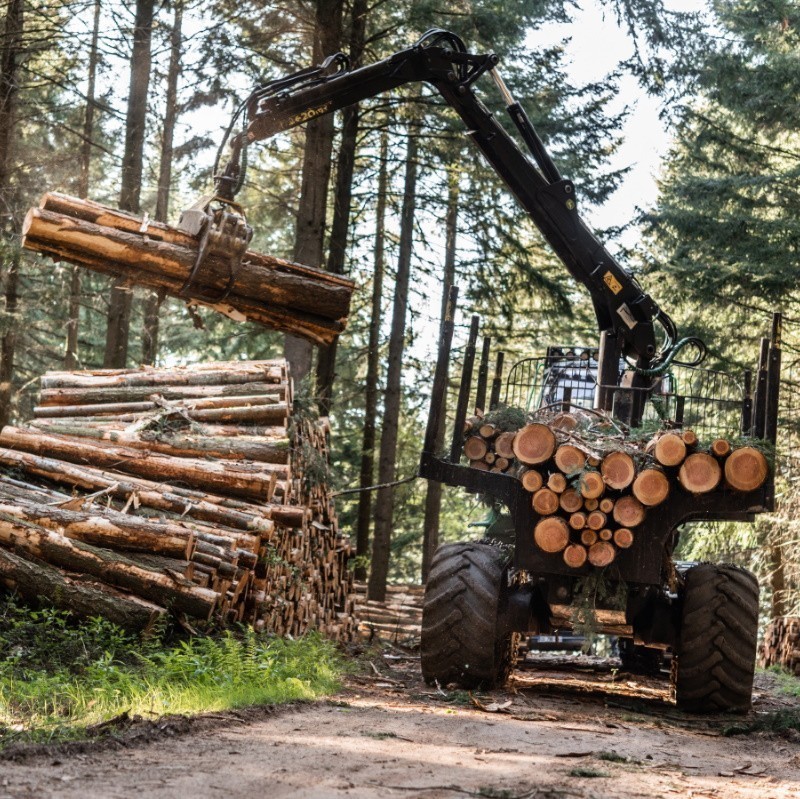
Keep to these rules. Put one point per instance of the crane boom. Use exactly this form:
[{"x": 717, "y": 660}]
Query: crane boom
[{"x": 624, "y": 311}]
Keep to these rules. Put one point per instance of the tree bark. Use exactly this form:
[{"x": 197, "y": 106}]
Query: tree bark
[
  {"x": 433, "y": 496},
  {"x": 212, "y": 508},
  {"x": 551, "y": 534},
  {"x": 119, "y": 307},
  {"x": 35, "y": 580},
  {"x": 273, "y": 292},
  {"x": 8, "y": 344},
  {"x": 311, "y": 212},
  {"x": 58, "y": 550},
  {"x": 384, "y": 510},
  {"x": 71, "y": 359},
  {"x": 11, "y": 55},
  {"x": 345, "y": 165},
  {"x": 367, "y": 470},
  {"x": 250, "y": 481},
  {"x": 9, "y": 88},
  {"x": 534, "y": 444},
  {"x": 155, "y": 299}
]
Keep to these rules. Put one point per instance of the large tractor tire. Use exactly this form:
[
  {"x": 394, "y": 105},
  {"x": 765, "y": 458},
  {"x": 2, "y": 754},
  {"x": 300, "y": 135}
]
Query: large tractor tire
[
  {"x": 714, "y": 662},
  {"x": 638, "y": 659},
  {"x": 465, "y": 635}
]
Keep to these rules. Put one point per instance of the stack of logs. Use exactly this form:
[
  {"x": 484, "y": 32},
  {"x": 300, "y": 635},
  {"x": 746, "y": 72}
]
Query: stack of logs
[
  {"x": 134, "y": 493},
  {"x": 781, "y": 644},
  {"x": 398, "y": 619},
  {"x": 593, "y": 491}
]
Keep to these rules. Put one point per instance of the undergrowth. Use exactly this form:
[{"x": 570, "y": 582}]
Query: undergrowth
[
  {"x": 780, "y": 721},
  {"x": 59, "y": 676},
  {"x": 787, "y": 683}
]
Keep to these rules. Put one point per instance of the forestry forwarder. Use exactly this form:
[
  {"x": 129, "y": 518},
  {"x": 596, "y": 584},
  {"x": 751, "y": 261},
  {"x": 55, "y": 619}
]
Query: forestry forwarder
[{"x": 479, "y": 596}]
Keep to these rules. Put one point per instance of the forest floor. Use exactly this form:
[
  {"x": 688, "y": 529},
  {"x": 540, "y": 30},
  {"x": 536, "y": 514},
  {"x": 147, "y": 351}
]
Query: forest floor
[{"x": 566, "y": 728}]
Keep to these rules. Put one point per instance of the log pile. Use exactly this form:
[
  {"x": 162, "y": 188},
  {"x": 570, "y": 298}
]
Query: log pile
[
  {"x": 195, "y": 491},
  {"x": 592, "y": 486},
  {"x": 296, "y": 299},
  {"x": 781, "y": 645},
  {"x": 398, "y": 619}
]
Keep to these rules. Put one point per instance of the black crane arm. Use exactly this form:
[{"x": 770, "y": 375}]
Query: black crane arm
[{"x": 440, "y": 59}]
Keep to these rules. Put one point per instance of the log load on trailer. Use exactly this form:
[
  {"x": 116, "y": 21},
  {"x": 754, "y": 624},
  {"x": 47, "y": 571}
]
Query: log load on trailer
[{"x": 588, "y": 498}]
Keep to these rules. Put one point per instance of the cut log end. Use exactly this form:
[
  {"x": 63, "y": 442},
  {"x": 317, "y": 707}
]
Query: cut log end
[
  {"x": 592, "y": 485},
  {"x": 577, "y": 521},
  {"x": 746, "y": 469},
  {"x": 551, "y": 534},
  {"x": 569, "y": 459},
  {"x": 700, "y": 473},
  {"x": 588, "y": 537},
  {"x": 534, "y": 444},
  {"x": 651, "y": 486},
  {"x": 571, "y": 500},
  {"x": 596, "y": 520},
  {"x": 545, "y": 502},
  {"x": 670, "y": 449},
  {"x": 628, "y": 511},
  {"x": 618, "y": 470},
  {"x": 504, "y": 445},
  {"x": 602, "y": 554},
  {"x": 575, "y": 556},
  {"x": 721, "y": 448},
  {"x": 475, "y": 448},
  {"x": 531, "y": 480},
  {"x": 623, "y": 537}
]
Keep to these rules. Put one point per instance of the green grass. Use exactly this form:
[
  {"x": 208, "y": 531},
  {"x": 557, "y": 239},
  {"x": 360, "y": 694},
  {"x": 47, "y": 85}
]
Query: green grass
[
  {"x": 787, "y": 683},
  {"x": 583, "y": 771},
  {"x": 780, "y": 721},
  {"x": 59, "y": 676}
]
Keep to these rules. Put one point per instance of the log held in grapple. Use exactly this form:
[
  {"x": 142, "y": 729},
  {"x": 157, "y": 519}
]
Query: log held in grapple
[{"x": 278, "y": 294}]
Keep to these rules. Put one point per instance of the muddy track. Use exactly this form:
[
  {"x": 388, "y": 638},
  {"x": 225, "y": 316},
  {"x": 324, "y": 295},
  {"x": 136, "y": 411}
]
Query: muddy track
[{"x": 583, "y": 730}]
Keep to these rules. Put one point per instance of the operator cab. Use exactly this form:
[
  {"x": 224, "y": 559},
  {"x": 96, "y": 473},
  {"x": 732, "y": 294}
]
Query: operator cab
[{"x": 567, "y": 377}]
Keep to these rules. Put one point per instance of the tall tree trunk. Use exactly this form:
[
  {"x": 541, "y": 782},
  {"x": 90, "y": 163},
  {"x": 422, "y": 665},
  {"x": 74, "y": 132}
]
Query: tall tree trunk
[
  {"x": 119, "y": 307},
  {"x": 433, "y": 498},
  {"x": 154, "y": 300},
  {"x": 71, "y": 360},
  {"x": 367, "y": 473},
  {"x": 777, "y": 576},
  {"x": 9, "y": 88},
  {"x": 384, "y": 502},
  {"x": 8, "y": 345},
  {"x": 310, "y": 229},
  {"x": 337, "y": 246}
]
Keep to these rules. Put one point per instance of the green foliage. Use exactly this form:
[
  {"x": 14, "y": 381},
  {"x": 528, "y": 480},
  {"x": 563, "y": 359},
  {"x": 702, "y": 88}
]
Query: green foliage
[
  {"x": 586, "y": 771},
  {"x": 613, "y": 757},
  {"x": 787, "y": 682},
  {"x": 60, "y": 676},
  {"x": 506, "y": 418},
  {"x": 779, "y": 721}
]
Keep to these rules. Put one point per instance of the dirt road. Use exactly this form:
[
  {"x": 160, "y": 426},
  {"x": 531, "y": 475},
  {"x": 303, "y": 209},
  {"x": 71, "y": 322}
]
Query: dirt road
[{"x": 581, "y": 732}]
